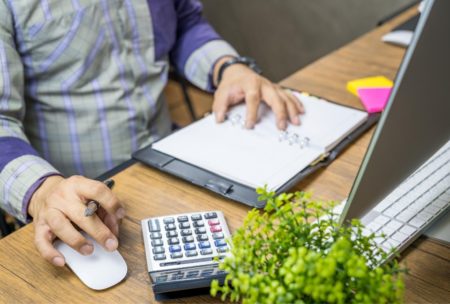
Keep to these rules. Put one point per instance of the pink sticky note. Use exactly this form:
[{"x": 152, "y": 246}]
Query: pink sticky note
[{"x": 374, "y": 99}]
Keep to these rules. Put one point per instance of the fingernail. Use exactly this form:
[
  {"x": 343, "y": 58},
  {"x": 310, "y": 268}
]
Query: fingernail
[
  {"x": 219, "y": 118},
  {"x": 249, "y": 125},
  {"x": 111, "y": 244},
  {"x": 86, "y": 249},
  {"x": 58, "y": 261},
  {"x": 295, "y": 120},
  {"x": 282, "y": 125},
  {"x": 120, "y": 213}
]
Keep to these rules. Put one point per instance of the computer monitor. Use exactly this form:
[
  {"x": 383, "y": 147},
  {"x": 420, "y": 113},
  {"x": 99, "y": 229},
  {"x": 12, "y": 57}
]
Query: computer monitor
[{"x": 416, "y": 121}]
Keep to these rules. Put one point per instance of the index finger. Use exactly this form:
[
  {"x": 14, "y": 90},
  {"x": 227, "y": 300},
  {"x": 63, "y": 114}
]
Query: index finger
[{"x": 99, "y": 192}]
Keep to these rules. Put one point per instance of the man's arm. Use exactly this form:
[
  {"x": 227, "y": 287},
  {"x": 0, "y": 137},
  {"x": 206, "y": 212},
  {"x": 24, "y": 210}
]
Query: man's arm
[
  {"x": 198, "y": 47},
  {"x": 199, "y": 52},
  {"x": 30, "y": 186},
  {"x": 21, "y": 169}
]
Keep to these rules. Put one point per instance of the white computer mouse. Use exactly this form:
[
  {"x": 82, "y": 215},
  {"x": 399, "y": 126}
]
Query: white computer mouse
[
  {"x": 100, "y": 270},
  {"x": 400, "y": 37}
]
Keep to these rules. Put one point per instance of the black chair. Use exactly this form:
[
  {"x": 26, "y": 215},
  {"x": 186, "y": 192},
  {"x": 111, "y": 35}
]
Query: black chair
[
  {"x": 5, "y": 228},
  {"x": 184, "y": 84}
]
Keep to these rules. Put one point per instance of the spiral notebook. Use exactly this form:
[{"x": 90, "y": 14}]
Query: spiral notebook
[{"x": 228, "y": 159}]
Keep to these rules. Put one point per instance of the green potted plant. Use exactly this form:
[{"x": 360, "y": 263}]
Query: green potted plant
[{"x": 295, "y": 252}]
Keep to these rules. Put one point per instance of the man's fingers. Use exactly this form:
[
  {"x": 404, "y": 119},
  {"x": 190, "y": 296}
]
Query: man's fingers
[
  {"x": 66, "y": 232},
  {"x": 293, "y": 112},
  {"x": 220, "y": 105},
  {"x": 278, "y": 105},
  {"x": 252, "y": 101},
  {"x": 110, "y": 221},
  {"x": 293, "y": 108},
  {"x": 93, "y": 226},
  {"x": 98, "y": 191},
  {"x": 43, "y": 243},
  {"x": 298, "y": 104}
]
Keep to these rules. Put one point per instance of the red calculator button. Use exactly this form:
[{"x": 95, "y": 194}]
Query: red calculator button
[
  {"x": 213, "y": 222},
  {"x": 216, "y": 229}
]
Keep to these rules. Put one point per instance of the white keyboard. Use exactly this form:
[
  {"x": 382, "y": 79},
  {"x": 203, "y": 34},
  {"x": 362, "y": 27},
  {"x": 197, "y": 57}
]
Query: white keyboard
[{"x": 413, "y": 205}]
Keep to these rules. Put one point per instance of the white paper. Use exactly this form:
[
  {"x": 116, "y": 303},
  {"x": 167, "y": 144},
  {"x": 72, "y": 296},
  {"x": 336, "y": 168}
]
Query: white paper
[{"x": 257, "y": 157}]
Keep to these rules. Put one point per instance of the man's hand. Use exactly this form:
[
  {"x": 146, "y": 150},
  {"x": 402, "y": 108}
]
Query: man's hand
[
  {"x": 59, "y": 204},
  {"x": 240, "y": 83}
]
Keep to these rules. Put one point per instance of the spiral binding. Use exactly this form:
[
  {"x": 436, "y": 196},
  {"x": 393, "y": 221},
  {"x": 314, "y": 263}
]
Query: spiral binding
[
  {"x": 294, "y": 139},
  {"x": 236, "y": 120},
  {"x": 290, "y": 137}
]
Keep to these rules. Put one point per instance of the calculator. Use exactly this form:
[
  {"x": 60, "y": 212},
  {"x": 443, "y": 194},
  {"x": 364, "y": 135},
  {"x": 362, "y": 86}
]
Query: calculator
[{"x": 183, "y": 250}]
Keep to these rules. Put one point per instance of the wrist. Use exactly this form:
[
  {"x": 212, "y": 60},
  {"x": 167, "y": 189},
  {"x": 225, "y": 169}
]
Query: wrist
[
  {"x": 217, "y": 67},
  {"x": 42, "y": 192},
  {"x": 227, "y": 62}
]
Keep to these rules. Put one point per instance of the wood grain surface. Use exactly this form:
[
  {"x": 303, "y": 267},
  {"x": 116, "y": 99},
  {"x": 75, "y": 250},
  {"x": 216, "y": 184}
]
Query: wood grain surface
[{"x": 26, "y": 278}]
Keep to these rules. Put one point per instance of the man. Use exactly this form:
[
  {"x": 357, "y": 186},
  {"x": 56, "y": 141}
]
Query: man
[{"x": 81, "y": 88}]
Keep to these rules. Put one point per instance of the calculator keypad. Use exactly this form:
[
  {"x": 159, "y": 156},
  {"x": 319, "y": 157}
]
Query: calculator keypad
[{"x": 185, "y": 237}]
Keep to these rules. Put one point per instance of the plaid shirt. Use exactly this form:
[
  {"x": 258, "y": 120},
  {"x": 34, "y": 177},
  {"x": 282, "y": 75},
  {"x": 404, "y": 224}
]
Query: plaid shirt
[{"x": 81, "y": 83}]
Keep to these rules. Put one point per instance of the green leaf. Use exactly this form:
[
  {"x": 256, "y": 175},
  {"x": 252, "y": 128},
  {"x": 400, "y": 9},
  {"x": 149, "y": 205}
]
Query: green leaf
[{"x": 280, "y": 255}]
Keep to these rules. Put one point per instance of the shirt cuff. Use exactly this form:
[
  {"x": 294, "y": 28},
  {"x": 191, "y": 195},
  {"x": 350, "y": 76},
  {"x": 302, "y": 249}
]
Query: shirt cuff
[
  {"x": 199, "y": 66},
  {"x": 18, "y": 181}
]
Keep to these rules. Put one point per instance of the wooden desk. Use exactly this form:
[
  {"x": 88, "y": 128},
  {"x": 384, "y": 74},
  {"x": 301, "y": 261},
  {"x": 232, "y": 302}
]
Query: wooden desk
[{"x": 26, "y": 277}]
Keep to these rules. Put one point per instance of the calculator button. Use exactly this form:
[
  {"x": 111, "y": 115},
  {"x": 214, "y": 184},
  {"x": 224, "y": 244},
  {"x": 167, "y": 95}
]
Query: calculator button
[
  {"x": 191, "y": 253},
  {"x": 204, "y": 244},
  {"x": 210, "y": 215},
  {"x": 220, "y": 243},
  {"x": 160, "y": 256},
  {"x": 182, "y": 219},
  {"x": 160, "y": 279},
  {"x": 192, "y": 274},
  {"x": 202, "y": 237},
  {"x": 155, "y": 235},
  {"x": 153, "y": 225},
  {"x": 176, "y": 255},
  {"x": 171, "y": 234},
  {"x": 169, "y": 220},
  {"x": 185, "y": 232},
  {"x": 189, "y": 246},
  {"x": 217, "y": 235},
  {"x": 216, "y": 229},
  {"x": 206, "y": 251},
  {"x": 157, "y": 242},
  {"x": 188, "y": 239},
  {"x": 207, "y": 272},
  {"x": 196, "y": 217},
  {"x": 171, "y": 227},
  {"x": 177, "y": 276},
  {"x": 222, "y": 249},
  {"x": 184, "y": 225},
  {"x": 174, "y": 248},
  {"x": 200, "y": 230},
  {"x": 199, "y": 224},
  {"x": 213, "y": 222},
  {"x": 157, "y": 250},
  {"x": 174, "y": 241}
]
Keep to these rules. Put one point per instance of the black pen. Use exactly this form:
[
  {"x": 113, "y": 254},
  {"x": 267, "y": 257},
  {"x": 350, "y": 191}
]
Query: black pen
[{"x": 92, "y": 206}]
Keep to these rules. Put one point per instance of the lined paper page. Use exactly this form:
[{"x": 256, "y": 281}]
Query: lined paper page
[{"x": 257, "y": 157}]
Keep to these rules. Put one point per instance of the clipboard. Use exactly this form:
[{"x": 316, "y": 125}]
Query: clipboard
[{"x": 232, "y": 189}]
